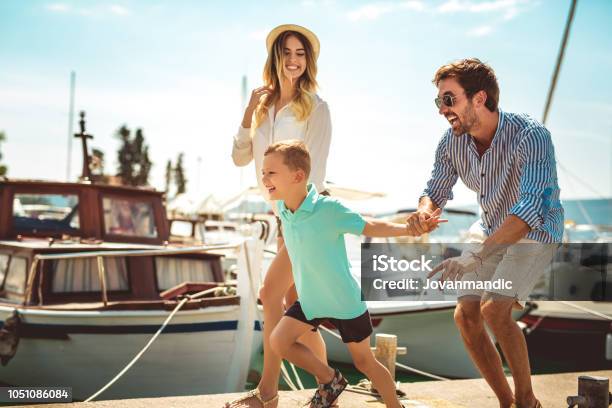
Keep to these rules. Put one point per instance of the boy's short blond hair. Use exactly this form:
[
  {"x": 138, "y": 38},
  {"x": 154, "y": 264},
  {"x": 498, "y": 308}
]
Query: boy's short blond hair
[{"x": 295, "y": 154}]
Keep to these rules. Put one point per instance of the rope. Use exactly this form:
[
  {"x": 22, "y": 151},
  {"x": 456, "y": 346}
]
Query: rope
[
  {"x": 297, "y": 377},
  {"x": 405, "y": 367},
  {"x": 423, "y": 373},
  {"x": 585, "y": 309},
  {"x": 146, "y": 347}
]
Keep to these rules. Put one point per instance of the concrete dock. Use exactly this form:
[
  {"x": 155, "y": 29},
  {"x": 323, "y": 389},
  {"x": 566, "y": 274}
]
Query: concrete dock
[{"x": 551, "y": 389}]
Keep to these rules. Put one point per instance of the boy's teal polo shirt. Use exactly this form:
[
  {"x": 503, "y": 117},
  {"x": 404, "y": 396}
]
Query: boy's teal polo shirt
[{"x": 314, "y": 238}]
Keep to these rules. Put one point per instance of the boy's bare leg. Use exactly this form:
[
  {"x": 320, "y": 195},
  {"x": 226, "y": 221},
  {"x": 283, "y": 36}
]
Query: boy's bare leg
[
  {"x": 278, "y": 284},
  {"x": 284, "y": 340},
  {"x": 313, "y": 340},
  {"x": 364, "y": 361}
]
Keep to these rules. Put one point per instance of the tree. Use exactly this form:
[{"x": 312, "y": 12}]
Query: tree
[
  {"x": 133, "y": 156},
  {"x": 168, "y": 176},
  {"x": 124, "y": 155},
  {"x": 3, "y": 168},
  {"x": 179, "y": 175}
]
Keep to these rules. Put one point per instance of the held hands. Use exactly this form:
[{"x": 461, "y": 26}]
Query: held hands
[
  {"x": 421, "y": 222},
  {"x": 454, "y": 268}
]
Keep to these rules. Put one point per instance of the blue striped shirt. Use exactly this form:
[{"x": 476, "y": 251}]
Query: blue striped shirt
[{"x": 516, "y": 175}]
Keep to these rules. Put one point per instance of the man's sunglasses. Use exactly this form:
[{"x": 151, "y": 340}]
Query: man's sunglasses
[{"x": 447, "y": 99}]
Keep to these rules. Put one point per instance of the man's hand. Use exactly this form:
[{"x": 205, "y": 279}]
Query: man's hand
[
  {"x": 455, "y": 268},
  {"x": 422, "y": 221}
]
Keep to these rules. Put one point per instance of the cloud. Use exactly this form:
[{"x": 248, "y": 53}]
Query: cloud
[
  {"x": 258, "y": 35},
  {"x": 370, "y": 12},
  {"x": 119, "y": 10},
  {"x": 509, "y": 8},
  {"x": 415, "y": 5},
  {"x": 374, "y": 11},
  {"x": 58, "y": 7},
  {"x": 480, "y": 31},
  {"x": 113, "y": 9}
]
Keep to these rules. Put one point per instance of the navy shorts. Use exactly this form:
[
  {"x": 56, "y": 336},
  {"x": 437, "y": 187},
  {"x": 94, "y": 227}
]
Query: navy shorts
[{"x": 351, "y": 330}]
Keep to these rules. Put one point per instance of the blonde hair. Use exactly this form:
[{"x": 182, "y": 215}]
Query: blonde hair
[
  {"x": 303, "y": 101},
  {"x": 295, "y": 154}
]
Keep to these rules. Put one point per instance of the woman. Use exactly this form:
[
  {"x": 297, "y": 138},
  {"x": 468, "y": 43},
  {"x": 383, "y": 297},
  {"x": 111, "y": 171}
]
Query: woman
[{"x": 286, "y": 107}]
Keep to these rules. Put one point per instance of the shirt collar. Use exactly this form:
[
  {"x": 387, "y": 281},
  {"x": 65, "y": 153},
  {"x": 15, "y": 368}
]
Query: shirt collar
[
  {"x": 500, "y": 125},
  {"x": 308, "y": 203}
]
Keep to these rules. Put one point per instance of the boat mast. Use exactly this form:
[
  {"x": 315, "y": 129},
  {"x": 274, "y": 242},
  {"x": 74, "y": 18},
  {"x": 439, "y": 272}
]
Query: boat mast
[
  {"x": 553, "y": 83},
  {"x": 70, "y": 121}
]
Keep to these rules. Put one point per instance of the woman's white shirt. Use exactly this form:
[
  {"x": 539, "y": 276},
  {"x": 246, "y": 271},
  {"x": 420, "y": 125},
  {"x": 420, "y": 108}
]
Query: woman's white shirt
[{"x": 315, "y": 132}]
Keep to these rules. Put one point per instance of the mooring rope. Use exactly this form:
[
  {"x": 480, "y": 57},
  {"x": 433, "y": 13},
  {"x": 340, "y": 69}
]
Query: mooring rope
[{"x": 150, "y": 342}]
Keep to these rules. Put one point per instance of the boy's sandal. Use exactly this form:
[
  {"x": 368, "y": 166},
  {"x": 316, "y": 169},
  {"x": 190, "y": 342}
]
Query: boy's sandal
[
  {"x": 332, "y": 390},
  {"x": 257, "y": 395}
]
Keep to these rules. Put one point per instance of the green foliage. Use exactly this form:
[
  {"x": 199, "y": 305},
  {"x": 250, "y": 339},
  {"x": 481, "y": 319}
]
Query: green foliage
[
  {"x": 179, "y": 175},
  {"x": 3, "y": 168},
  {"x": 133, "y": 157}
]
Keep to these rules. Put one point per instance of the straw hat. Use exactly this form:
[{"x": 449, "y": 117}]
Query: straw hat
[{"x": 310, "y": 36}]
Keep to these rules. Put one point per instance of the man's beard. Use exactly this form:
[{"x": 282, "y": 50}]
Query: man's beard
[{"x": 468, "y": 122}]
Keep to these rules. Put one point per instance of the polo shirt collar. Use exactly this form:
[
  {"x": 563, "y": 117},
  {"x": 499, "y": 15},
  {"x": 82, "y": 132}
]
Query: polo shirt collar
[{"x": 308, "y": 203}]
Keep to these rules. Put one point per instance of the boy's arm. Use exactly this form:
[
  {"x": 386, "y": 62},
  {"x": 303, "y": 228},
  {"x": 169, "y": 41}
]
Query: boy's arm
[{"x": 380, "y": 228}]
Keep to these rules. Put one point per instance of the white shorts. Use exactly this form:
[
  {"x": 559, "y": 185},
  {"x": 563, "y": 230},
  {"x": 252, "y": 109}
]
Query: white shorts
[{"x": 521, "y": 264}]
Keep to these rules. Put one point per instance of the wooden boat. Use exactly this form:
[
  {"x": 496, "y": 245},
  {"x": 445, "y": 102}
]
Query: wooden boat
[{"x": 87, "y": 277}]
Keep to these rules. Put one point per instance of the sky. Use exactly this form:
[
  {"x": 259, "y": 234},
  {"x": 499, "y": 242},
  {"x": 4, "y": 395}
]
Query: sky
[{"x": 174, "y": 69}]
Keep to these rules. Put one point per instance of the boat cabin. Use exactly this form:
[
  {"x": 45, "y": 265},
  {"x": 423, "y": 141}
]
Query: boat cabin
[{"x": 47, "y": 230}]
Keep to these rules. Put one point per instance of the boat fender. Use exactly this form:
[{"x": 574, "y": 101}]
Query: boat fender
[{"x": 9, "y": 338}]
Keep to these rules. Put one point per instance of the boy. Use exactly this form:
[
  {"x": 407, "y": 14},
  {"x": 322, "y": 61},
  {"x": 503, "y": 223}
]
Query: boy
[{"x": 314, "y": 228}]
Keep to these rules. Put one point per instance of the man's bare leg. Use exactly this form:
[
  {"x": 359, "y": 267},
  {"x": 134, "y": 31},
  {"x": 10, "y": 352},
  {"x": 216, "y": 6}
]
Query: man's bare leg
[
  {"x": 497, "y": 313},
  {"x": 481, "y": 349}
]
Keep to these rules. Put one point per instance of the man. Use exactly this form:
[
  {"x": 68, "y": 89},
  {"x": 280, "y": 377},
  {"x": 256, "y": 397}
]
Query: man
[{"x": 508, "y": 160}]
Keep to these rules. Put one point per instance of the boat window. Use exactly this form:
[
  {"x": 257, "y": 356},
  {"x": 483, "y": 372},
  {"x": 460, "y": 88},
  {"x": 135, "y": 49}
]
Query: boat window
[
  {"x": 172, "y": 271},
  {"x": 16, "y": 278},
  {"x": 129, "y": 217},
  {"x": 179, "y": 228},
  {"x": 4, "y": 261},
  {"x": 46, "y": 212},
  {"x": 81, "y": 275}
]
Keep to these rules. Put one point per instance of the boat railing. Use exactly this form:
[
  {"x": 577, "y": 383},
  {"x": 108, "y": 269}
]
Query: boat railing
[{"x": 100, "y": 255}]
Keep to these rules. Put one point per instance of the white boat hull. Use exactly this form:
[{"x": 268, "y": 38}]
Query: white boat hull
[{"x": 194, "y": 355}]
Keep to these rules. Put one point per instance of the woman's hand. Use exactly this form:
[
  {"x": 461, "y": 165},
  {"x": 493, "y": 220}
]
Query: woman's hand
[{"x": 256, "y": 96}]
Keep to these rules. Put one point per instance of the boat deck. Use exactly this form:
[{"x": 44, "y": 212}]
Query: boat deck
[{"x": 551, "y": 389}]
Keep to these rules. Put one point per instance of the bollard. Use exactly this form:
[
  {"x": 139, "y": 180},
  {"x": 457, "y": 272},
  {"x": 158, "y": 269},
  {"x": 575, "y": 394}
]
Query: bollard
[
  {"x": 593, "y": 392},
  {"x": 386, "y": 351}
]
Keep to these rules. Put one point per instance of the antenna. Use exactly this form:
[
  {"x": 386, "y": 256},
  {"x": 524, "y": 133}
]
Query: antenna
[{"x": 70, "y": 121}]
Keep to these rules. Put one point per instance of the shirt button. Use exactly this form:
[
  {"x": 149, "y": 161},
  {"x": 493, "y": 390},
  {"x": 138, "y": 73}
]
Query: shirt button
[
  {"x": 486, "y": 212},
  {"x": 482, "y": 174},
  {"x": 489, "y": 227},
  {"x": 482, "y": 196}
]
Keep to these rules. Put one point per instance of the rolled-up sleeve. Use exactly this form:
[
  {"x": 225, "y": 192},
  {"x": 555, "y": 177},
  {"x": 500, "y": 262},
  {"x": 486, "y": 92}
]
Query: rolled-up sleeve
[
  {"x": 443, "y": 177},
  {"x": 318, "y": 140},
  {"x": 242, "y": 151},
  {"x": 538, "y": 177}
]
